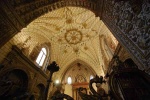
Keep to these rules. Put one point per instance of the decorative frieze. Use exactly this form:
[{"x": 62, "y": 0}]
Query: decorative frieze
[
  {"x": 30, "y": 11},
  {"x": 7, "y": 29},
  {"x": 129, "y": 22}
]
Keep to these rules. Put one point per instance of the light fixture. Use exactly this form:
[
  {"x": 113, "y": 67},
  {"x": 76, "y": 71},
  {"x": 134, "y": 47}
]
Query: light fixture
[{"x": 57, "y": 81}]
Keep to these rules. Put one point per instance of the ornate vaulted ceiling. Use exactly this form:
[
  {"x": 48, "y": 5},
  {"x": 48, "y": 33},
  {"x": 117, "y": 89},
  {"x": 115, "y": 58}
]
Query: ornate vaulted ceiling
[{"x": 75, "y": 34}]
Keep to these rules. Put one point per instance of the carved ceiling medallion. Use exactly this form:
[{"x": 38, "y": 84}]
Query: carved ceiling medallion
[{"x": 73, "y": 36}]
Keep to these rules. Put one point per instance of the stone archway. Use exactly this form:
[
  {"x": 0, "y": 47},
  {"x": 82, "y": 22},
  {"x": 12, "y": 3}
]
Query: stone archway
[
  {"x": 127, "y": 20},
  {"x": 14, "y": 84}
]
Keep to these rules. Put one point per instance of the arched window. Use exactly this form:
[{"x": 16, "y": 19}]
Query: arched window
[
  {"x": 41, "y": 57},
  {"x": 69, "y": 80}
]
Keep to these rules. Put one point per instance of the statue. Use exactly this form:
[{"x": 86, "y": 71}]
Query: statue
[
  {"x": 95, "y": 95},
  {"x": 100, "y": 94}
]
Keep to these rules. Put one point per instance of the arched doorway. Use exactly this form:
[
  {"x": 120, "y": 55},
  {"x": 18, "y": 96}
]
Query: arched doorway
[{"x": 14, "y": 84}]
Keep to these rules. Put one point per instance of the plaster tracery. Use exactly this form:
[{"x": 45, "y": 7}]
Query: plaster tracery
[{"x": 73, "y": 33}]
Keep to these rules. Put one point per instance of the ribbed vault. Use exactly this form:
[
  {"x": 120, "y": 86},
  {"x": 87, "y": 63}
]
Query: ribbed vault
[{"x": 74, "y": 33}]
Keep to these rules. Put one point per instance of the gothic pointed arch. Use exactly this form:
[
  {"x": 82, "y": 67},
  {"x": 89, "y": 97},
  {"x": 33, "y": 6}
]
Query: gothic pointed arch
[{"x": 74, "y": 71}]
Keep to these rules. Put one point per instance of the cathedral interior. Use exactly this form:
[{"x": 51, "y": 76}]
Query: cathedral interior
[{"x": 75, "y": 49}]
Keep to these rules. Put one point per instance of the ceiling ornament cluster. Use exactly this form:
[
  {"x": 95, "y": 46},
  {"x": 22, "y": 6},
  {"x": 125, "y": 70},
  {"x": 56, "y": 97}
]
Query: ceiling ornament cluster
[
  {"x": 72, "y": 33},
  {"x": 73, "y": 36}
]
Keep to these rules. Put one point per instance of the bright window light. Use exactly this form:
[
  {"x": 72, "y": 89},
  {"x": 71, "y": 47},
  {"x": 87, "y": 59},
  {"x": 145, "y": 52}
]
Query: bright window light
[
  {"x": 91, "y": 77},
  {"x": 69, "y": 80},
  {"x": 41, "y": 57}
]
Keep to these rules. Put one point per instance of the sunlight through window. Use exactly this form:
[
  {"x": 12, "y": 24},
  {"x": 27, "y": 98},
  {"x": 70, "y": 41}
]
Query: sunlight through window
[
  {"x": 41, "y": 57},
  {"x": 69, "y": 80},
  {"x": 91, "y": 77}
]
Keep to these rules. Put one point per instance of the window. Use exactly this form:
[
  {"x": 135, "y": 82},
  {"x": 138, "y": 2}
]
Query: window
[
  {"x": 41, "y": 57},
  {"x": 69, "y": 80},
  {"x": 91, "y": 77}
]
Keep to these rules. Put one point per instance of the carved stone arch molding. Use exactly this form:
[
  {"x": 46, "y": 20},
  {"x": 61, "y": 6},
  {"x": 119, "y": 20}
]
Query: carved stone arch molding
[{"x": 28, "y": 11}]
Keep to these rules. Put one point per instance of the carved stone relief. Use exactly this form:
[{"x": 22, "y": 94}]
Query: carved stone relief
[
  {"x": 5, "y": 26},
  {"x": 11, "y": 15},
  {"x": 130, "y": 24},
  {"x": 9, "y": 23},
  {"x": 134, "y": 25},
  {"x": 35, "y": 52},
  {"x": 24, "y": 47}
]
